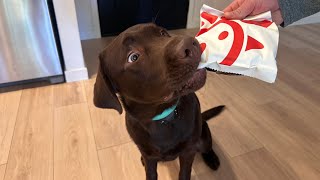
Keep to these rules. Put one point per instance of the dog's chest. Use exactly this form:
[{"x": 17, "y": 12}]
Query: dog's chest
[
  {"x": 167, "y": 135},
  {"x": 168, "y": 139}
]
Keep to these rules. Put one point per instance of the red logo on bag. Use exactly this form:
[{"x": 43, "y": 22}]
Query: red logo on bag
[{"x": 238, "y": 41}]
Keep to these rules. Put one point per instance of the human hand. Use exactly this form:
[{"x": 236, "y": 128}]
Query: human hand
[{"x": 239, "y": 9}]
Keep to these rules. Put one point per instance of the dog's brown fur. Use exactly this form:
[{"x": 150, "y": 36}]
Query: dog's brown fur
[{"x": 165, "y": 73}]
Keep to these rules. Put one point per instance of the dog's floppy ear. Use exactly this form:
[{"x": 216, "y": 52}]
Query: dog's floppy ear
[{"x": 104, "y": 92}]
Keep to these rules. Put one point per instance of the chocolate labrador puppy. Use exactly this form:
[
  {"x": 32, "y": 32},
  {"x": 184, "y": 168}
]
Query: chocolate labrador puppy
[{"x": 155, "y": 76}]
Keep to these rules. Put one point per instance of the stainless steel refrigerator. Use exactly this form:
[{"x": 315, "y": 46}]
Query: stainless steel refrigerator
[{"x": 29, "y": 44}]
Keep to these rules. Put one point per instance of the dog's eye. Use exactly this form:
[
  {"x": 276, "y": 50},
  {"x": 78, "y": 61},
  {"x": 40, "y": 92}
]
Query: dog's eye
[
  {"x": 163, "y": 33},
  {"x": 133, "y": 57}
]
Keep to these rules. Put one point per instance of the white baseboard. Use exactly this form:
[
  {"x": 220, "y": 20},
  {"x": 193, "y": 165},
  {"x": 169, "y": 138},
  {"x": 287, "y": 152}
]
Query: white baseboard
[{"x": 76, "y": 74}]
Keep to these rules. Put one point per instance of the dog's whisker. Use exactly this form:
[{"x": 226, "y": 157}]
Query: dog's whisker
[{"x": 156, "y": 17}]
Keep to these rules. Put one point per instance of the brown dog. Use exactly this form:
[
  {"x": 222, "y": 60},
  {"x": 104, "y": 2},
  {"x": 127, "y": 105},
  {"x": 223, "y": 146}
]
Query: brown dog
[{"x": 155, "y": 75}]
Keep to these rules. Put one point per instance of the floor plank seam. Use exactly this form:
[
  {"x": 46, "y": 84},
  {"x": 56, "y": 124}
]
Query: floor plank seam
[
  {"x": 252, "y": 135},
  {"x": 248, "y": 152},
  {"x": 64, "y": 106},
  {"x": 278, "y": 161},
  {"x": 220, "y": 148},
  {"x": 101, "y": 149},
  {"x": 241, "y": 124},
  {"x": 94, "y": 136},
  {"x": 13, "y": 134},
  {"x": 53, "y": 143},
  {"x": 84, "y": 90}
]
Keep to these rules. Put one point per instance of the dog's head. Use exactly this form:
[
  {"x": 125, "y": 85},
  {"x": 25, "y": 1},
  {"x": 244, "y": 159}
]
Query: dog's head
[{"x": 146, "y": 65}]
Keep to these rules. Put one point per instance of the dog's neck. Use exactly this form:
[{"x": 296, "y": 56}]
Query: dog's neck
[
  {"x": 167, "y": 112},
  {"x": 149, "y": 112}
]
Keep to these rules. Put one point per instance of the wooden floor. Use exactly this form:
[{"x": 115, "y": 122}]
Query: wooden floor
[{"x": 268, "y": 132}]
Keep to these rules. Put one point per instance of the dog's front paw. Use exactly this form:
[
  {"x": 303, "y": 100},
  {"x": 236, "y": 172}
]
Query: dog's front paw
[{"x": 211, "y": 159}]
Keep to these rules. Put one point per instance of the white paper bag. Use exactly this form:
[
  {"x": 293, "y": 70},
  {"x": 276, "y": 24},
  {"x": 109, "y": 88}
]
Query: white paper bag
[{"x": 247, "y": 47}]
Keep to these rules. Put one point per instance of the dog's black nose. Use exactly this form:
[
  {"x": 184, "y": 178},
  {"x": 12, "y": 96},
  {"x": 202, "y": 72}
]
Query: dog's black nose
[{"x": 187, "y": 48}]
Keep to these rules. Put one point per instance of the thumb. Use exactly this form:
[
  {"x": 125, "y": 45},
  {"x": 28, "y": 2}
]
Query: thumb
[
  {"x": 277, "y": 17},
  {"x": 241, "y": 12}
]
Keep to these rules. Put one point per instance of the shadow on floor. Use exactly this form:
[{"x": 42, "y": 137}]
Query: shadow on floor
[
  {"x": 23, "y": 86},
  {"x": 225, "y": 171},
  {"x": 201, "y": 171}
]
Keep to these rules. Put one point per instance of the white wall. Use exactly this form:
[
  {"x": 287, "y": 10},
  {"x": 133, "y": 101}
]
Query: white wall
[
  {"x": 195, "y": 6},
  {"x": 75, "y": 68},
  {"x": 88, "y": 19}
]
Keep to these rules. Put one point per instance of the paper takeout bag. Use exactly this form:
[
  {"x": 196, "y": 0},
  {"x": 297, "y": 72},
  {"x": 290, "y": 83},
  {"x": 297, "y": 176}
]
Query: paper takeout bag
[{"x": 247, "y": 47}]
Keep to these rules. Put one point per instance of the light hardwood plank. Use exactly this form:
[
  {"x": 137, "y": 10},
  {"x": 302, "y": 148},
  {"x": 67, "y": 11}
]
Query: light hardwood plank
[
  {"x": 295, "y": 123},
  {"x": 249, "y": 89},
  {"x": 109, "y": 128},
  {"x": 300, "y": 63},
  {"x": 226, "y": 170},
  {"x": 9, "y": 104},
  {"x": 290, "y": 105},
  {"x": 74, "y": 147},
  {"x": 302, "y": 84},
  {"x": 302, "y": 110},
  {"x": 31, "y": 154},
  {"x": 296, "y": 100},
  {"x": 297, "y": 37},
  {"x": 88, "y": 86},
  {"x": 298, "y": 68},
  {"x": 260, "y": 165},
  {"x": 282, "y": 141},
  {"x": 230, "y": 134},
  {"x": 295, "y": 112},
  {"x": 218, "y": 92},
  {"x": 69, "y": 93},
  {"x": 302, "y": 127},
  {"x": 108, "y": 125},
  {"x": 2, "y": 171},
  {"x": 123, "y": 162},
  {"x": 170, "y": 170}
]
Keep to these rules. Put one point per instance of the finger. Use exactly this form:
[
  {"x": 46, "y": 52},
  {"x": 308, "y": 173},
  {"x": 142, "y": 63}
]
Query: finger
[
  {"x": 277, "y": 17},
  {"x": 231, "y": 7},
  {"x": 241, "y": 12}
]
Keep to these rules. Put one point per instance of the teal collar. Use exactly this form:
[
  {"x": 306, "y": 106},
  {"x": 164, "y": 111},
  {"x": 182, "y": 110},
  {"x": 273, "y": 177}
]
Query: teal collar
[{"x": 165, "y": 113}]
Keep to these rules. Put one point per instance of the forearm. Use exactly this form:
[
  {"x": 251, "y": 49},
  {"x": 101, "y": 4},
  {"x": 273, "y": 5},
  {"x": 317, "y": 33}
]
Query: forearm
[{"x": 294, "y": 10}]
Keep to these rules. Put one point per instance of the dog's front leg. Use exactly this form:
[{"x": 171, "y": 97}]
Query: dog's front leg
[
  {"x": 150, "y": 166},
  {"x": 186, "y": 161}
]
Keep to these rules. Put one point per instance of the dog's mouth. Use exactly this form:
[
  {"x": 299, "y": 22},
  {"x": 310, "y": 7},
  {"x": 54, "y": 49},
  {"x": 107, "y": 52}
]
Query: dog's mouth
[
  {"x": 187, "y": 78},
  {"x": 193, "y": 84}
]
